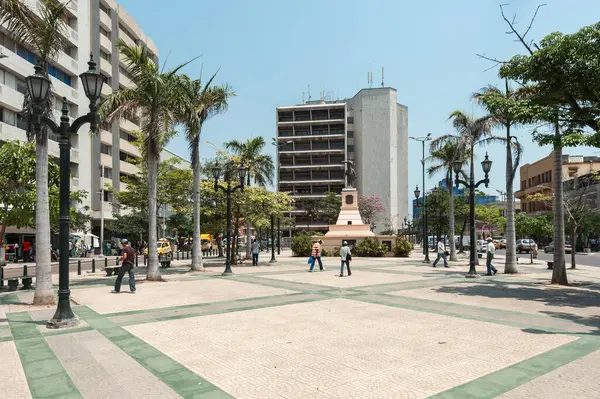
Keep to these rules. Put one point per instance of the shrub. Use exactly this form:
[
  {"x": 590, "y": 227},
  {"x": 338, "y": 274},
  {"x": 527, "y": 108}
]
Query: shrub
[
  {"x": 302, "y": 244},
  {"x": 403, "y": 248},
  {"x": 369, "y": 247},
  {"x": 324, "y": 252}
]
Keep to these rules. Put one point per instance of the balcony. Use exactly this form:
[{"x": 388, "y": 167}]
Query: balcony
[
  {"x": 128, "y": 126},
  {"x": 105, "y": 21},
  {"x": 74, "y": 155},
  {"x": 10, "y": 98},
  {"x": 129, "y": 148},
  {"x": 10, "y": 132},
  {"x": 106, "y": 137},
  {"x": 126, "y": 81},
  {"x": 105, "y": 44},
  {"x": 106, "y": 90},
  {"x": 105, "y": 67},
  {"x": 68, "y": 63},
  {"x": 106, "y": 160},
  {"x": 324, "y": 151},
  {"x": 128, "y": 168},
  {"x": 125, "y": 37}
]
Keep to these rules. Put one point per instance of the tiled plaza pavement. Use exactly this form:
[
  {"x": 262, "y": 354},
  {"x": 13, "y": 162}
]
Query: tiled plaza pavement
[{"x": 394, "y": 329}]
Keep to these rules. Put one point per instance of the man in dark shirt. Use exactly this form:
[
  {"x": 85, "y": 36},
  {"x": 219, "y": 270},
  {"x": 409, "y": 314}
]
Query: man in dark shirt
[{"x": 128, "y": 260}]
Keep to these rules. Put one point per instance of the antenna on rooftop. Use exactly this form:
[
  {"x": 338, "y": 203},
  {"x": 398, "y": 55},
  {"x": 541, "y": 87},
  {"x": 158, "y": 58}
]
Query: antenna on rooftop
[
  {"x": 303, "y": 98},
  {"x": 308, "y": 92},
  {"x": 370, "y": 77},
  {"x": 382, "y": 77}
]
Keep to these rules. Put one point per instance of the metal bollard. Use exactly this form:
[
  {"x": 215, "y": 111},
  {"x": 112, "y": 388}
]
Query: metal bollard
[
  {"x": 177, "y": 255},
  {"x": 79, "y": 267},
  {"x": 105, "y": 263},
  {"x": 136, "y": 260},
  {"x": 144, "y": 260},
  {"x": 25, "y": 271},
  {"x": 93, "y": 265}
]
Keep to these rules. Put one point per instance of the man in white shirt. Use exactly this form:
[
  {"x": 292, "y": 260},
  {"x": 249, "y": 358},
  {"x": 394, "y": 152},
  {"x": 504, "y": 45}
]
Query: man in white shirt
[
  {"x": 441, "y": 253},
  {"x": 491, "y": 250},
  {"x": 345, "y": 255}
]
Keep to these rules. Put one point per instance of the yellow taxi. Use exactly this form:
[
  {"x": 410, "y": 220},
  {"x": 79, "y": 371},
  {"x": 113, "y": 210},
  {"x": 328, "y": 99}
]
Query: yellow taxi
[{"x": 163, "y": 247}]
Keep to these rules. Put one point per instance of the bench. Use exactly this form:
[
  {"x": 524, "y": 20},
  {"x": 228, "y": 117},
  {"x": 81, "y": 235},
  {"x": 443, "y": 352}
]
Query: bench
[
  {"x": 112, "y": 269},
  {"x": 13, "y": 274}
]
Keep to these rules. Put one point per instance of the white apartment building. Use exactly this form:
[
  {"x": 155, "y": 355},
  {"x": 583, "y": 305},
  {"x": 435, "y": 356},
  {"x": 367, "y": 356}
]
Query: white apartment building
[
  {"x": 315, "y": 139},
  {"x": 94, "y": 26}
]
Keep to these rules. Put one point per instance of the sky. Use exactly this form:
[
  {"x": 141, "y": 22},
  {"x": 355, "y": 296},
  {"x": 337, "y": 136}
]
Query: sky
[{"x": 270, "y": 51}]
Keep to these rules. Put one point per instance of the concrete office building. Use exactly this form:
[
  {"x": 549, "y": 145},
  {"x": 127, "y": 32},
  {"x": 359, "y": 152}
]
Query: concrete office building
[
  {"x": 315, "y": 139},
  {"x": 93, "y": 26}
]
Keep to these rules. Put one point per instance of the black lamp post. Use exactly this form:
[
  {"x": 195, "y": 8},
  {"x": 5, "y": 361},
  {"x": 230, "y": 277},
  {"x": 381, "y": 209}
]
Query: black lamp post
[
  {"x": 486, "y": 165},
  {"x": 278, "y": 235},
  {"x": 228, "y": 191},
  {"x": 424, "y": 224},
  {"x": 39, "y": 85},
  {"x": 425, "y": 239},
  {"x": 273, "y": 260}
]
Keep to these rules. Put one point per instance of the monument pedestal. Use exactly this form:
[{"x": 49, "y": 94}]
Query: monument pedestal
[{"x": 349, "y": 225}]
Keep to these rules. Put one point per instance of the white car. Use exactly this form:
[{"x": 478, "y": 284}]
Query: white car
[{"x": 481, "y": 246}]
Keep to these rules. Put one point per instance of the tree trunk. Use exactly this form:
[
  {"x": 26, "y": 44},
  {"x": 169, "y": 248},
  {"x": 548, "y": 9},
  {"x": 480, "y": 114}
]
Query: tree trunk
[
  {"x": 573, "y": 247},
  {"x": 2, "y": 244},
  {"x": 462, "y": 237},
  {"x": 453, "y": 256},
  {"x": 43, "y": 268},
  {"x": 153, "y": 271},
  {"x": 248, "y": 241},
  {"x": 510, "y": 263},
  {"x": 220, "y": 247},
  {"x": 196, "y": 244},
  {"x": 559, "y": 274}
]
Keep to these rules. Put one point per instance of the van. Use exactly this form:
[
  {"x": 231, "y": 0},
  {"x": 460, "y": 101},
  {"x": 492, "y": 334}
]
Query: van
[{"x": 206, "y": 242}]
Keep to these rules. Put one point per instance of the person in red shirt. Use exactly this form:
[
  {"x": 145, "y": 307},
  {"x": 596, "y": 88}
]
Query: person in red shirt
[
  {"x": 316, "y": 255},
  {"x": 26, "y": 249}
]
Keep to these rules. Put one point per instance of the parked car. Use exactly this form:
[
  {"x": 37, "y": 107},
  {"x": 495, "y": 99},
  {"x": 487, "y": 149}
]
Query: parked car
[
  {"x": 550, "y": 247},
  {"x": 524, "y": 245},
  {"x": 481, "y": 246}
]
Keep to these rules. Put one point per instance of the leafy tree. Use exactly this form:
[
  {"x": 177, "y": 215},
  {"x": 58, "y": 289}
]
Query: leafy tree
[
  {"x": 331, "y": 206},
  {"x": 203, "y": 101},
  {"x": 132, "y": 226},
  {"x": 302, "y": 244},
  {"x": 174, "y": 188},
  {"x": 370, "y": 207},
  {"x": 576, "y": 206},
  {"x": 511, "y": 109},
  {"x": 491, "y": 216},
  {"x": 43, "y": 32},
  {"x": 180, "y": 224},
  {"x": 313, "y": 208},
  {"x": 534, "y": 226},
  {"x": 159, "y": 97}
]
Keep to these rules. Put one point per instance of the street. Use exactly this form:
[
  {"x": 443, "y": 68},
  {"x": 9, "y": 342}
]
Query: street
[{"x": 583, "y": 259}]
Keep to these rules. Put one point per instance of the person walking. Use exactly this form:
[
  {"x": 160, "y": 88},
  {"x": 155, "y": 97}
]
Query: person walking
[
  {"x": 534, "y": 250},
  {"x": 26, "y": 249},
  {"x": 441, "y": 253},
  {"x": 255, "y": 251},
  {"x": 346, "y": 256},
  {"x": 491, "y": 250},
  {"x": 316, "y": 255},
  {"x": 128, "y": 261}
]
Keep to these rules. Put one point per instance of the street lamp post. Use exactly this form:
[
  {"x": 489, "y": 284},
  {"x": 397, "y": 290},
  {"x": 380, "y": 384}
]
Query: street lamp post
[
  {"x": 278, "y": 236},
  {"x": 425, "y": 238},
  {"x": 486, "y": 165},
  {"x": 228, "y": 191},
  {"x": 273, "y": 260},
  {"x": 39, "y": 85},
  {"x": 424, "y": 224}
]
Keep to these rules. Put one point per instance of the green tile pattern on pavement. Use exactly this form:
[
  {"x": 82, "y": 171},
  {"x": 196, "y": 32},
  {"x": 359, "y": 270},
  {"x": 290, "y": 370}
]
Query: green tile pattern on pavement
[
  {"x": 179, "y": 378},
  {"x": 45, "y": 374},
  {"x": 509, "y": 378}
]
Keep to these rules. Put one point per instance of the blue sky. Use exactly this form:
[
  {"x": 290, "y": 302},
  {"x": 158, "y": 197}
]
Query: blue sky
[{"x": 271, "y": 50}]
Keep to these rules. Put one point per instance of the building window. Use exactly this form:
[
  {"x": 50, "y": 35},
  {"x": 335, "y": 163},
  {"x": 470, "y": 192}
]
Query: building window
[
  {"x": 351, "y": 148},
  {"x": 104, "y": 33},
  {"x": 105, "y": 8},
  {"x": 107, "y": 173},
  {"x": 107, "y": 196},
  {"x": 350, "y": 134},
  {"x": 350, "y": 119},
  {"x": 106, "y": 149},
  {"x": 52, "y": 70},
  {"x": 104, "y": 55}
]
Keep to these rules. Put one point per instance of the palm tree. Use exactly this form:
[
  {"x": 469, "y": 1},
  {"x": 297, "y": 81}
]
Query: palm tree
[
  {"x": 202, "y": 102},
  {"x": 506, "y": 107},
  {"x": 443, "y": 153},
  {"x": 157, "y": 96},
  {"x": 260, "y": 166},
  {"x": 473, "y": 131},
  {"x": 44, "y": 34}
]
